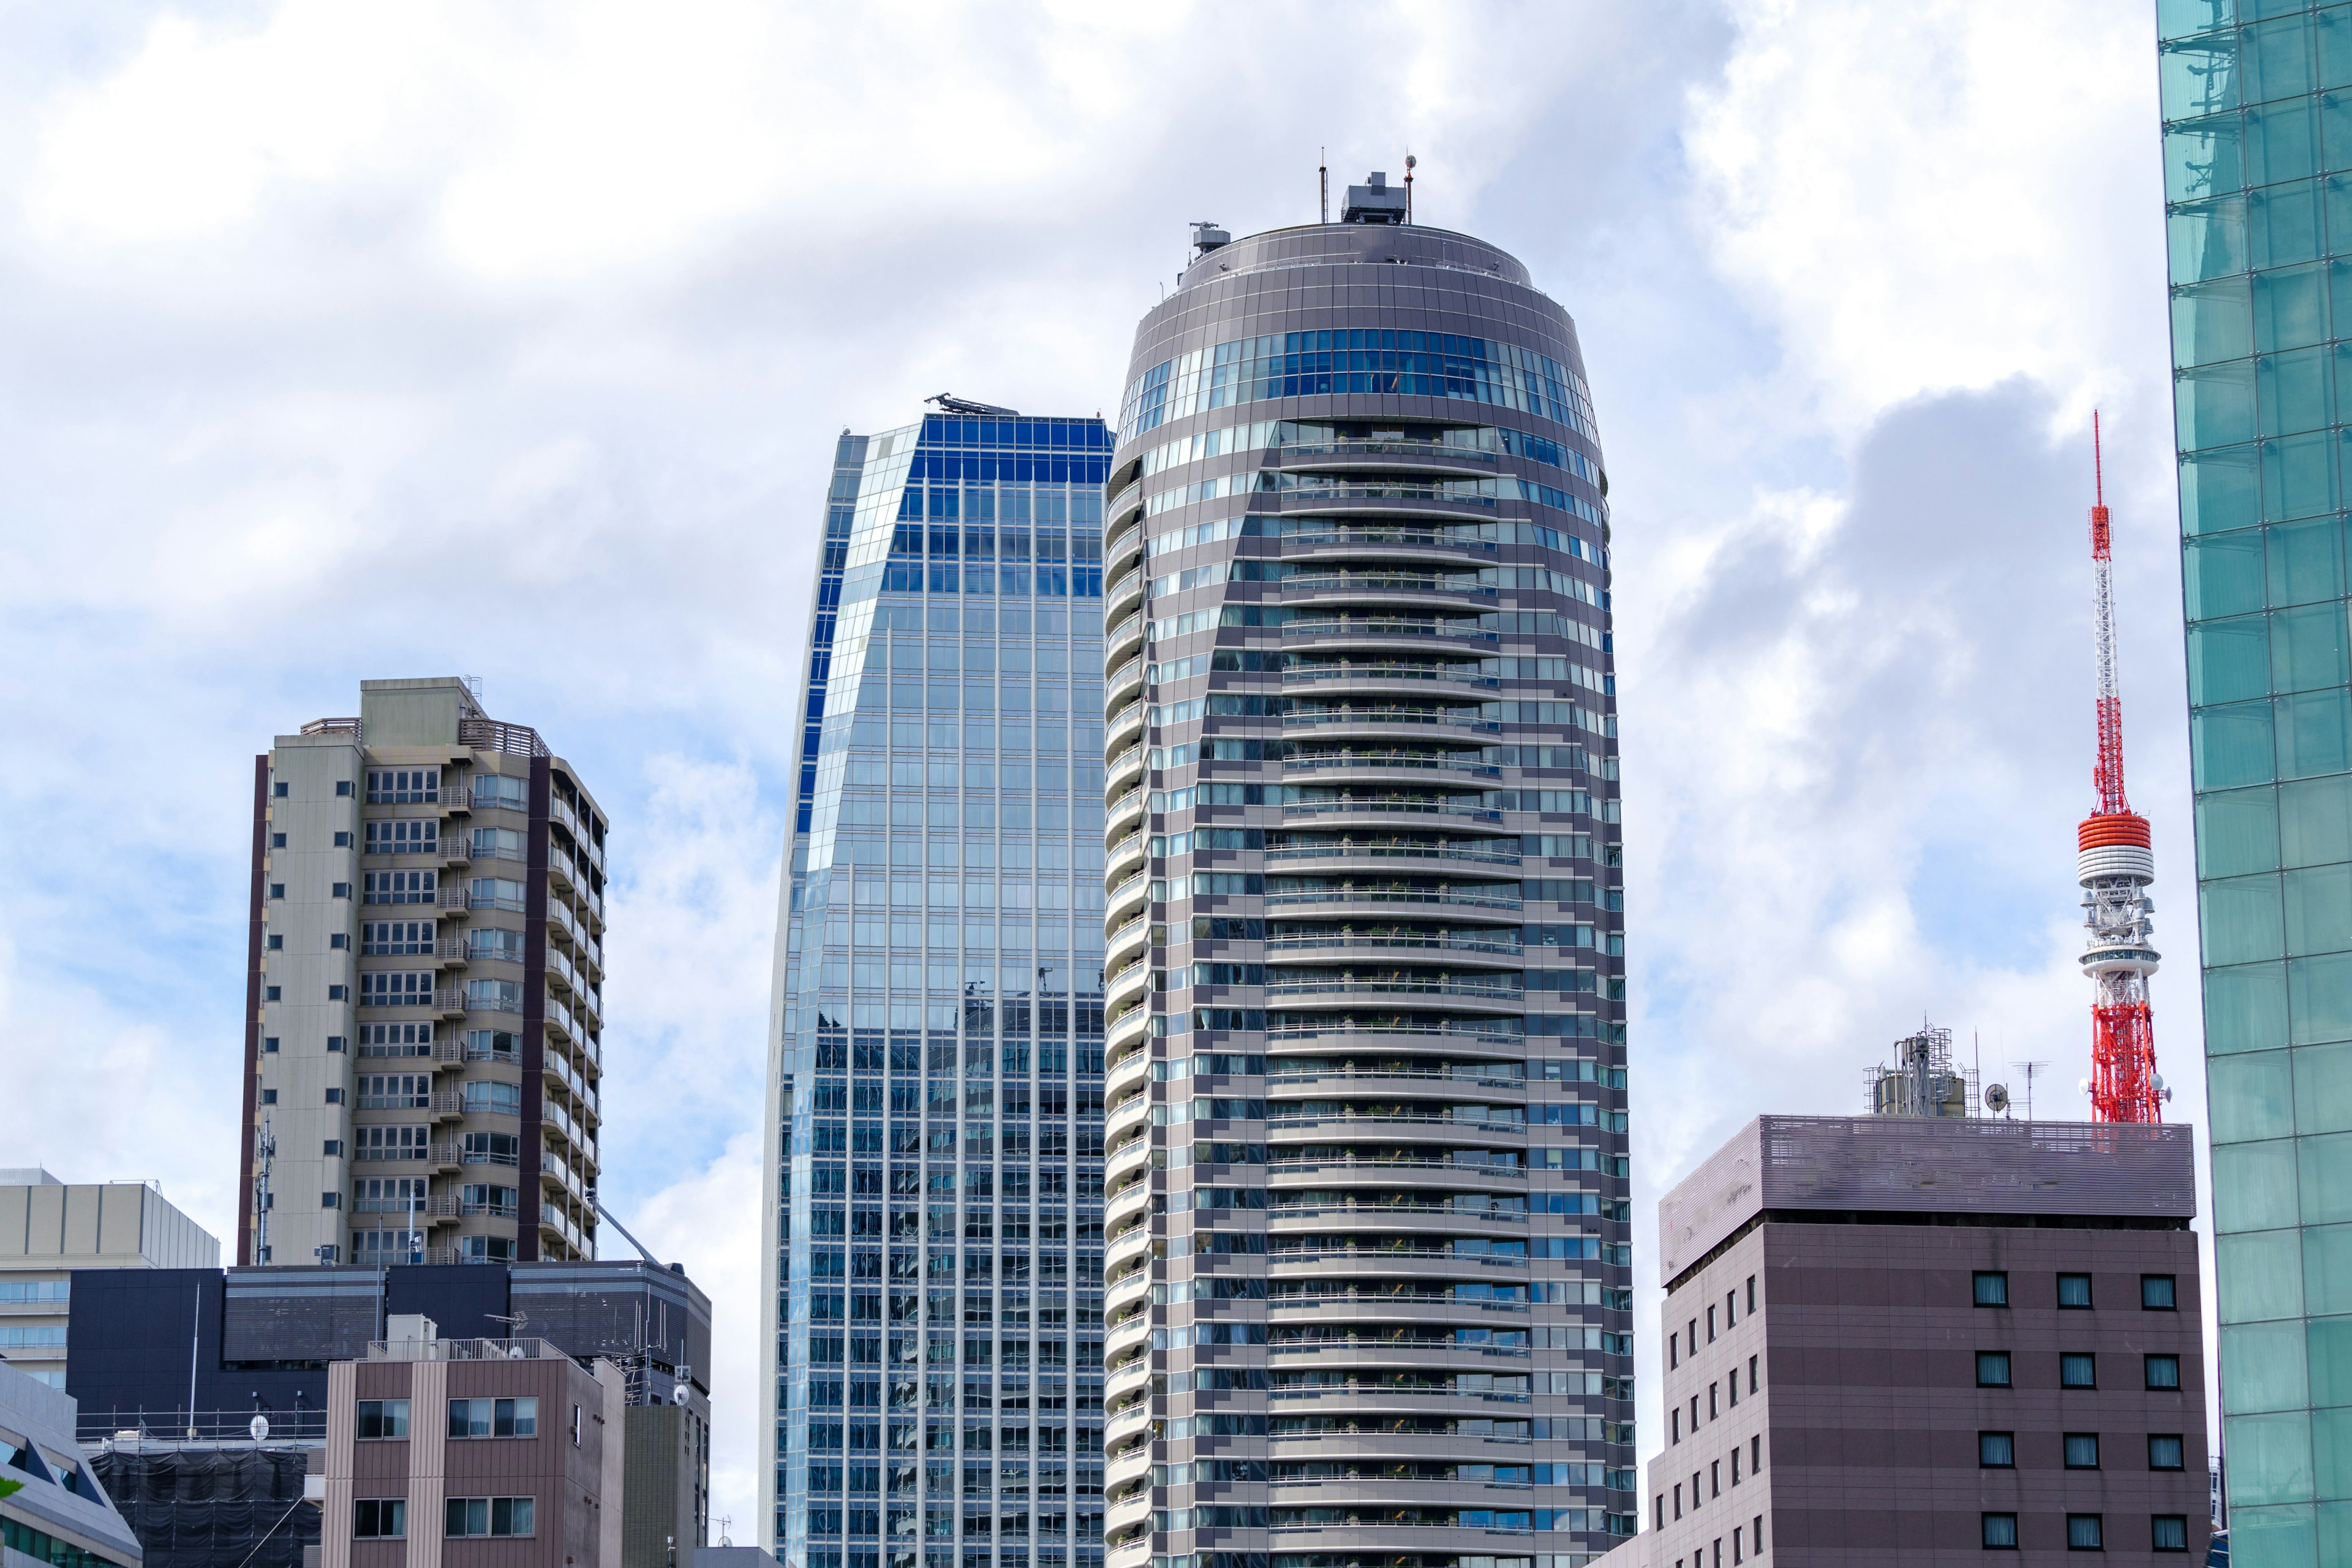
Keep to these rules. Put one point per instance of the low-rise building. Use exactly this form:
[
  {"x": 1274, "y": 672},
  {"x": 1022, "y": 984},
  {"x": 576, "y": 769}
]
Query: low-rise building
[
  {"x": 53, "y": 1511},
  {"x": 491, "y": 1453},
  {"x": 48, "y": 1228},
  {"x": 1898, "y": 1337}
]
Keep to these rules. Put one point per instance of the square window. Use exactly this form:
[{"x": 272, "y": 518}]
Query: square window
[
  {"x": 2165, "y": 1452},
  {"x": 342, "y": 890},
  {"x": 269, "y": 1097},
  {"x": 1997, "y": 1450},
  {"x": 342, "y": 840},
  {"x": 2081, "y": 1450},
  {"x": 1992, "y": 1289},
  {"x": 334, "y": 1042},
  {"x": 270, "y": 1042},
  {"x": 279, "y": 790},
  {"x": 277, "y": 841},
  {"x": 2164, "y": 1372},
  {"x": 334, "y": 1097},
  {"x": 276, "y": 889},
  {"x": 1999, "y": 1533},
  {"x": 1992, "y": 1369},
  {"x": 334, "y": 993},
  {"x": 343, "y": 787},
  {"x": 338, "y": 943},
  {"x": 2078, "y": 1370},
  {"x": 2073, "y": 1290},
  {"x": 275, "y": 943},
  {"x": 2169, "y": 1532},
  {"x": 270, "y": 993},
  {"x": 2157, "y": 1293},
  {"x": 330, "y": 1200},
  {"x": 333, "y": 1149},
  {"x": 2085, "y": 1532}
]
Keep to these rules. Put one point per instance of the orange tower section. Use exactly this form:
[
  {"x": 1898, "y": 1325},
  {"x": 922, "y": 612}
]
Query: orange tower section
[{"x": 2115, "y": 864}]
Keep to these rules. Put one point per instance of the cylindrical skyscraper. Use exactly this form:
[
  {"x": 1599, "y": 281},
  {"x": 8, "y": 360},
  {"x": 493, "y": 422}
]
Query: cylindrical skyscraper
[{"x": 1367, "y": 1267}]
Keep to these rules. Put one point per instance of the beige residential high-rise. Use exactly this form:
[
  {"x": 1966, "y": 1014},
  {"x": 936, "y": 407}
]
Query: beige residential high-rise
[
  {"x": 48, "y": 1228},
  {"x": 425, "y": 1007}
]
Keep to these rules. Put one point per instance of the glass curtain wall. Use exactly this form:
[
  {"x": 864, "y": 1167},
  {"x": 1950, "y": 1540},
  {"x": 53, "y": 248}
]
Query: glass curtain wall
[
  {"x": 2257, "y": 104},
  {"x": 935, "y": 1219}
]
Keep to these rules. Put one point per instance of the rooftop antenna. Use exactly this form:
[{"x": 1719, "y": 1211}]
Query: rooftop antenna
[
  {"x": 2030, "y": 1068},
  {"x": 268, "y": 1149},
  {"x": 1408, "y": 161},
  {"x": 1322, "y": 184}
]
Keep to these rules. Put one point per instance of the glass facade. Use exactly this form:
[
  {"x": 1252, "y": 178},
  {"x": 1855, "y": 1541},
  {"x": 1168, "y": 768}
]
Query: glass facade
[
  {"x": 1368, "y": 1258},
  {"x": 935, "y": 1213},
  {"x": 2257, "y": 103}
]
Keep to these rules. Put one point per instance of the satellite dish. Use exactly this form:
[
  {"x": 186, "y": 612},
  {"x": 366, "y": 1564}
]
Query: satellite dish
[
  {"x": 2082, "y": 1084},
  {"x": 1996, "y": 1098},
  {"x": 258, "y": 1427}
]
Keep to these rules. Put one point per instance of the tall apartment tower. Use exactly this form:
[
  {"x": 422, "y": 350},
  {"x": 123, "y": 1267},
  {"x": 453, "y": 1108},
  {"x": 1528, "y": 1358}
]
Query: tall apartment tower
[
  {"x": 2260, "y": 221},
  {"x": 1367, "y": 1273},
  {"x": 424, "y": 1001},
  {"x": 934, "y": 1299}
]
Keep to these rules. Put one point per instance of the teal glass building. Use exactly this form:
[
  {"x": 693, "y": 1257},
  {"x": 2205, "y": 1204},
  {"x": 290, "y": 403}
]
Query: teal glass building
[
  {"x": 2257, "y": 104},
  {"x": 934, "y": 1199}
]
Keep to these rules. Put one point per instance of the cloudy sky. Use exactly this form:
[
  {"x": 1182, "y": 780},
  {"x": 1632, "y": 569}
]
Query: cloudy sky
[{"x": 344, "y": 340}]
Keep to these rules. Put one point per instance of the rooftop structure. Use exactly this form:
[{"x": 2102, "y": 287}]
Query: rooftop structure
[{"x": 48, "y": 1228}]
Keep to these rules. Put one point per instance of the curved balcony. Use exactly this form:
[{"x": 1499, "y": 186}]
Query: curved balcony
[
  {"x": 1123, "y": 640},
  {"x": 1376, "y": 808},
  {"x": 1380, "y": 587},
  {"x": 1352, "y": 453},
  {"x": 1387, "y": 631},
  {"x": 1303, "y": 850},
  {"x": 1133, "y": 930},
  {"x": 1299, "y": 990},
  {"x": 1125, "y": 858},
  {"x": 1133, "y": 982},
  {"x": 1350, "y": 764},
  {"x": 1366, "y": 496},
  {"x": 1124, "y": 727},
  {"x": 1383, "y": 1212},
  {"x": 1400, "y": 1075},
  {"x": 1404, "y": 1124},
  {"x": 1121, "y": 768},
  {"x": 1124, "y": 590},
  {"x": 1383, "y": 674},
  {"x": 1126, "y": 810},
  {"x": 1126, "y": 679},
  {"x": 1128, "y": 500},
  {"x": 1475, "y": 945},
  {"x": 1342, "y": 896},
  {"x": 1380, "y": 721},
  {"x": 1384, "y": 1167},
  {"x": 1133, "y": 1068}
]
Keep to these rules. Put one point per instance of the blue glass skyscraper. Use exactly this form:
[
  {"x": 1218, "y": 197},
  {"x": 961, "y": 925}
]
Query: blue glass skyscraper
[{"x": 934, "y": 1208}]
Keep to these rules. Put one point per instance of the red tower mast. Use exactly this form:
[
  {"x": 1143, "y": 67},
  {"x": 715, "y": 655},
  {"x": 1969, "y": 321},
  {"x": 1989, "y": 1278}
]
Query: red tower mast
[{"x": 2115, "y": 864}]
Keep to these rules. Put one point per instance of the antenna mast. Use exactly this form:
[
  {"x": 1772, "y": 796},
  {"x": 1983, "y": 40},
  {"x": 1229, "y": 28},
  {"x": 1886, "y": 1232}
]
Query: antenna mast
[
  {"x": 2115, "y": 863},
  {"x": 1408, "y": 161},
  {"x": 1322, "y": 184},
  {"x": 268, "y": 1149}
]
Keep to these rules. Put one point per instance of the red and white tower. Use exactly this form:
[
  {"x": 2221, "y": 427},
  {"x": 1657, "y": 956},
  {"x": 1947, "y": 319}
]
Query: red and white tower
[{"x": 2116, "y": 865}]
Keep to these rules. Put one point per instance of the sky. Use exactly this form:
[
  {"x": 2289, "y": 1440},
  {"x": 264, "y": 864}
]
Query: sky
[{"x": 343, "y": 341}]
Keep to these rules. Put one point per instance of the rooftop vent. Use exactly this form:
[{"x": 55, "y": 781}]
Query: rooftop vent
[
  {"x": 1374, "y": 202},
  {"x": 1208, "y": 237}
]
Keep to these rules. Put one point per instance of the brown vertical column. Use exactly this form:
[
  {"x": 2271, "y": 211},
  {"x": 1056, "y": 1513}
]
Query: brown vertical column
[
  {"x": 534, "y": 1012},
  {"x": 245, "y": 1218}
]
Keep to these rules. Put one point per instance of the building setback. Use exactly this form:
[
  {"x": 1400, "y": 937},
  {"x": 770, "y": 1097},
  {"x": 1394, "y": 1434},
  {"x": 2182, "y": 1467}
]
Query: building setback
[
  {"x": 1367, "y": 1267},
  {"x": 934, "y": 1293},
  {"x": 424, "y": 1011},
  {"x": 48, "y": 1228},
  {"x": 1928, "y": 1339}
]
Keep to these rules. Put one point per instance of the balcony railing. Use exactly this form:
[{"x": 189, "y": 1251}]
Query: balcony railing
[
  {"x": 1341, "y": 625},
  {"x": 1386, "y": 672},
  {"x": 1390, "y": 849},
  {"x": 1456, "y": 763},
  {"x": 1473, "y": 941},
  {"x": 1382, "y": 583},
  {"x": 1436, "y": 451},
  {"x": 1433, "y": 807},
  {"x": 1311, "y": 718},
  {"x": 1465, "y": 898},
  {"x": 1408, "y": 537},
  {"x": 1409, "y": 986}
]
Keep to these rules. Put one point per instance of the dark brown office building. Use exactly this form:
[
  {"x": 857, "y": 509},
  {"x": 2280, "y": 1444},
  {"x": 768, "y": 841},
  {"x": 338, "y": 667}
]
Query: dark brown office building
[
  {"x": 472, "y": 1453},
  {"x": 1929, "y": 1340}
]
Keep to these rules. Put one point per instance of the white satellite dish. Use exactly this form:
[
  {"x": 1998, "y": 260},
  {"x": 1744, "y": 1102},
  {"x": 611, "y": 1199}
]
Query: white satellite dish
[
  {"x": 2082, "y": 1084},
  {"x": 258, "y": 1427},
  {"x": 1996, "y": 1098}
]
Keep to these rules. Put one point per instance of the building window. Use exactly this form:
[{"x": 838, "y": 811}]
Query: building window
[
  {"x": 493, "y": 1099},
  {"x": 276, "y": 889},
  {"x": 2073, "y": 1290},
  {"x": 2157, "y": 1295},
  {"x": 1659, "y": 1512},
  {"x": 342, "y": 788},
  {"x": 466, "y": 1516},
  {"x": 575, "y": 1426},
  {"x": 331, "y": 1149},
  {"x": 334, "y": 993},
  {"x": 275, "y": 943},
  {"x": 334, "y": 1043},
  {"x": 404, "y": 835},
  {"x": 493, "y": 1149},
  {"x": 270, "y": 1043},
  {"x": 1992, "y": 1369},
  {"x": 1992, "y": 1290},
  {"x": 2164, "y": 1372},
  {"x": 330, "y": 1200},
  {"x": 1997, "y": 1450},
  {"x": 1756, "y": 1454},
  {"x": 2164, "y": 1451},
  {"x": 2081, "y": 1450},
  {"x": 334, "y": 1097},
  {"x": 2085, "y": 1532},
  {"x": 1710, "y": 1325},
  {"x": 342, "y": 839},
  {"x": 379, "y": 1519},
  {"x": 277, "y": 791},
  {"x": 2078, "y": 1370},
  {"x": 383, "y": 1418},
  {"x": 1752, "y": 1382},
  {"x": 1999, "y": 1533},
  {"x": 269, "y": 1097},
  {"x": 402, "y": 786},
  {"x": 341, "y": 890},
  {"x": 269, "y": 993},
  {"x": 494, "y": 1417},
  {"x": 1751, "y": 1306},
  {"x": 2169, "y": 1532},
  {"x": 1674, "y": 1352}
]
